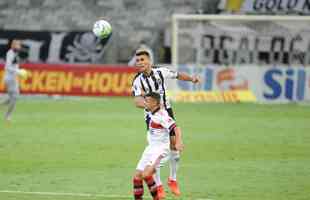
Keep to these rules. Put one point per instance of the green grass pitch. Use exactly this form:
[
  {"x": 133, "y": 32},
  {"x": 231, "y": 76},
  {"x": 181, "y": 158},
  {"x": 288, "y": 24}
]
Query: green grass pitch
[{"x": 76, "y": 148}]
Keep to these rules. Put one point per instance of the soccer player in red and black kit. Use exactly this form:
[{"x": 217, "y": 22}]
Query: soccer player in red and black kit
[
  {"x": 153, "y": 79},
  {"x": 161, "y": 125}
]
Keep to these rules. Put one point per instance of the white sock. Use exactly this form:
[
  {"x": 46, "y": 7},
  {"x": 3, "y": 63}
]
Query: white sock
[
  {"x": 157, "y": 177},
  {"x": 174, "y": 164}
]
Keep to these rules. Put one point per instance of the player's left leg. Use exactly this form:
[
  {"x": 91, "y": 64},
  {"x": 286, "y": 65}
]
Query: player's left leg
[
  {"x": 13, "y": 92},
  {"x": 160, "y": 187},
  {"x": 137, "y": 181},
  {"x": 174, "y": 162},
  {"x": 157, "y": 157},
  {"x": 11, "y": 106},
  {"x": 4, "y": 101},
  {"x": 150, "y": 182},
  {"x": 138, "y": 189},
  {"x": 174, "y": 165}
]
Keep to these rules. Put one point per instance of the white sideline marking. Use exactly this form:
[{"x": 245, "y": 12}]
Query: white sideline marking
[
  {"x": 65, "y": 194},
  {"x": 77, "y": 194}
]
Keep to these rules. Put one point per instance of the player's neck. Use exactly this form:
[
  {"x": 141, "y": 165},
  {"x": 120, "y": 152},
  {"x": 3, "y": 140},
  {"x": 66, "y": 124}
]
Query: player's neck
[{"x": 148, "y": 72}]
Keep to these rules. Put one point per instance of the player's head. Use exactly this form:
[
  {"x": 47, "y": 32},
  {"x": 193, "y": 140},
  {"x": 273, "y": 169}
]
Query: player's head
[
  {"x": 143, "y": 60},
  {"x": 152, "y": 100},
  {"x": 16, "y": 44}
]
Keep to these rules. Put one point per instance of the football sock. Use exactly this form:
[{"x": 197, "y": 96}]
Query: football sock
[
  {"x": 157, "y": 177},
  {"x": 151, "y": 185},
  {"x": 138, "y": 188},
  {"x": 174, "y": 164}
]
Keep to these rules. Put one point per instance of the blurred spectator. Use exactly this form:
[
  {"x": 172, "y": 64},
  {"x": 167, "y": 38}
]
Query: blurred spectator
[{"x": 208, "y": 7}]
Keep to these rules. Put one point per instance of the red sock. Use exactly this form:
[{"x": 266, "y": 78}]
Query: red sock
[
  {"x": 149, "y": 180},
  {"x": 138, "y": 188}
]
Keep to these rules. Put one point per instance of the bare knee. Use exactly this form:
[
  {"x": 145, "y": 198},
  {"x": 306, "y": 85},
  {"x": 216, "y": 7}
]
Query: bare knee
[
  {"x": 138, "y": 175},
  {"x": 148, "y": 171}
]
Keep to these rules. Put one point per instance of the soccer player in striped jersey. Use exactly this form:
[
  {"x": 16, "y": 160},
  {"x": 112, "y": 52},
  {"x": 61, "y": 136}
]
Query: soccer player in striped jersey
[
  {"x": 10, "y": 78},
  {"x": 160, "y": 126},
  {"x": 153, "y": 79}
]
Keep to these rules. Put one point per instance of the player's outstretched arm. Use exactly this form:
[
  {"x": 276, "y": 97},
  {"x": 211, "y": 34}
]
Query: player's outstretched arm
[
  {"x": 185, "y": 77},
  {"x": 178, "y": 139}
]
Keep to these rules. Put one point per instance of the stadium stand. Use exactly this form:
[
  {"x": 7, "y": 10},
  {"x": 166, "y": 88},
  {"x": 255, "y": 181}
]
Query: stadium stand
[{"x": 134, "y": 20}]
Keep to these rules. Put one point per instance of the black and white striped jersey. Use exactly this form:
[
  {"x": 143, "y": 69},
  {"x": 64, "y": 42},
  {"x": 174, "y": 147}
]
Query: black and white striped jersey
[{"x": 155, "y": 82}]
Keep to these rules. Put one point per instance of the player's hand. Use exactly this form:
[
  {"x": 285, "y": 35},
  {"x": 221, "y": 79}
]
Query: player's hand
[
  {"x": 196, "y": 79},
  {"x": 179, "y": 146}
]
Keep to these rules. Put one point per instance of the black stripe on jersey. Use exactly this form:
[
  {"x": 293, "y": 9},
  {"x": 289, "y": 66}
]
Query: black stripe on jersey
[
  {"x": 134, "y": 78},
  {"x": 154, "y": 80},
  {"x": 170, "y": 113},
  {"x": 142, "y": 85},
  {"x": 172, "y": 126},
  {"x": 163, "y": 86},
  {"x": 148, "y": 84}
]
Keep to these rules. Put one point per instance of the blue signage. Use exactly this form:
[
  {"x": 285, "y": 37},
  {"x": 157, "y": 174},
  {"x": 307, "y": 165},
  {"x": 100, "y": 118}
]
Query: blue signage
[{"x": 287, "y": 83}]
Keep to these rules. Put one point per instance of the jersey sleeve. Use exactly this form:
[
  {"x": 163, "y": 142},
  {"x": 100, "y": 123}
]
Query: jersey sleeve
[
  {"x": 136, "y": 87},
  {"x": 168, "y": 73},
  {"x": 167, "y": 122}
]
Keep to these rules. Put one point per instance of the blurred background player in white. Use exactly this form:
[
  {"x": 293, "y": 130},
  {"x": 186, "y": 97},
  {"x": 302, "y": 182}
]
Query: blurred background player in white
[
  {"x": 161, "y": 126},
  {"x": 153, "y": 79},
  {"x": 10, "y": 78}
]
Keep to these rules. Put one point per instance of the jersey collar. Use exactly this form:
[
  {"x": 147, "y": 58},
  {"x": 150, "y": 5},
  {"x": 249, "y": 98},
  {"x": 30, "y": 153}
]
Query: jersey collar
[
  {"x": 145, "y": 76},
  {"x": 155, "y": 111}
]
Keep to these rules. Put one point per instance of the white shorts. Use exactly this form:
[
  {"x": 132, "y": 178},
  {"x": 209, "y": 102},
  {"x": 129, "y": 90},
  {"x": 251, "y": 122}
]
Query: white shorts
[{"x": 152, "y": 156}]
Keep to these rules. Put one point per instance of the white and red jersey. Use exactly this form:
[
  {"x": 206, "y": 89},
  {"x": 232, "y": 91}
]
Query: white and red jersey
[{"x": 160, "y": 126}]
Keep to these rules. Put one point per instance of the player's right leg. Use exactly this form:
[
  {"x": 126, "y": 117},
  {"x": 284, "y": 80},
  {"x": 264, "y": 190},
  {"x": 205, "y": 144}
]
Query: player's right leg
[
  {"x": 160, "y": 188},
  {"x": 148, "y": 173},
  {"x": 144, "y": 172},
  {"x": 138, "y": 177},
  {"x": 4, "y": 102},
  {"x": 11, "y": 106},
  {"x": 13, "y": 92},
  {"x": 174, "y": 159},
  {"x": 12, "y": 87},
  {"x": 138, "y": 189},
  {"x": 149, "y": 162},
  {"x": 174, "y": 162}
]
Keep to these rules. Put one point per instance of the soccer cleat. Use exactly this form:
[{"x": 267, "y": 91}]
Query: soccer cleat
[
  {"x": 161, "y": 192},
  {"x": 173, "y": 185}
]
